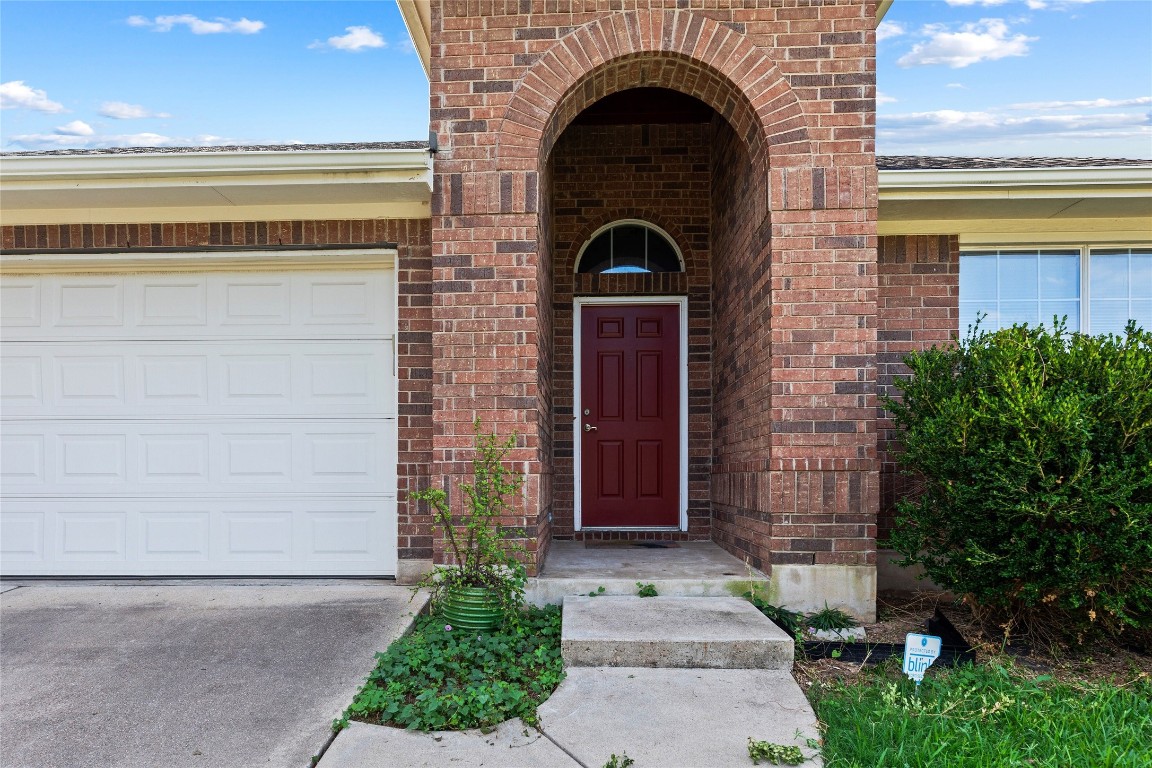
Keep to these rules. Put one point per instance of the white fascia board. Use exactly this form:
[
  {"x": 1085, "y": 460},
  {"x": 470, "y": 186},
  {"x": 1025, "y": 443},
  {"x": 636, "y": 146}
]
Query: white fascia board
[
  {"x": 417, "y": 16},
  {"x": 881, "y": 9},
  {"x": 212, "y": 164},
  {"x": 1122, "y": 181}
]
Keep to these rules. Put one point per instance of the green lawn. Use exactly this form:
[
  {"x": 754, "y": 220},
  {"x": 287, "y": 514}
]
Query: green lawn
[{"x": 983, "y": 717}]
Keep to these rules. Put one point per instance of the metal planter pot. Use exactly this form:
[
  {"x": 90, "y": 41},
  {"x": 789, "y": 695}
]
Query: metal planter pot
[{"x": 472, "y": 608}]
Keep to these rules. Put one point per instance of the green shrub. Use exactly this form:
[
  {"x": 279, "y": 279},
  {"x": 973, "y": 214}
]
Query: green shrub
[{"x": 1035, "y": 447}]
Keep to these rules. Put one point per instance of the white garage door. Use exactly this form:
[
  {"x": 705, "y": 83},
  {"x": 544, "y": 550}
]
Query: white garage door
[{"x": 199, "y": 423}]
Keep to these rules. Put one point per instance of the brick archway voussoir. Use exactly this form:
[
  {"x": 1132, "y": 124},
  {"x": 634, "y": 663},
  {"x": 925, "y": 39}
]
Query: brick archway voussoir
[{"x": 730, "y": 69}]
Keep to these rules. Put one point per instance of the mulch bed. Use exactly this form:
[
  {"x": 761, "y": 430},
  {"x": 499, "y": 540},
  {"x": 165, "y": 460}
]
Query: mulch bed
[{"x": 900, "y": 613}]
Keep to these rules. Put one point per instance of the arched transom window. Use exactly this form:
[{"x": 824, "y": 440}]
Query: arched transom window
[{"x": 629, "y": 245}]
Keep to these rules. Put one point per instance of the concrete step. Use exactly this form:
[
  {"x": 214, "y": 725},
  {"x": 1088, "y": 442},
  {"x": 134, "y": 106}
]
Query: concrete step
[
  {"x": 676, "y": 569},
  {"x": 546, "y": 590},
  {"x": 671, "y": 632}
]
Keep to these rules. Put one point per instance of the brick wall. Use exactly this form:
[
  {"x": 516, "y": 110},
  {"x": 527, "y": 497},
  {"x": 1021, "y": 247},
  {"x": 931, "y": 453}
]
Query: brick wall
[
  {"x": 918, "y": 309},
  {"x": 659, "y": 174},
  {"x": 795, "y": 81},
  {"x": 742, "y": 517},
  {"x": 413, "y": 348}
]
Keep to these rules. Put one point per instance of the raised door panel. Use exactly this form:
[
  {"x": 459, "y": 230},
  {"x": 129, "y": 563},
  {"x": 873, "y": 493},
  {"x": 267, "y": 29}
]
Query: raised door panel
[
  {"x": 21, "y": 382},
  {"x": 92, "y": 535},
  {"x": 20, "y": 303},
  {"x": 175, "y": 536},
  {"x": 173, "y": 301},
  {"x": 254, "y": 301},
  {"x": 22, "y": 538},
  {"x": 88, "y": 303}
]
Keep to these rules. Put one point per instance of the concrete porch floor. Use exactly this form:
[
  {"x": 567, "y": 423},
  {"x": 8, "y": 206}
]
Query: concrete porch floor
[{"x": 683, "y": 569}]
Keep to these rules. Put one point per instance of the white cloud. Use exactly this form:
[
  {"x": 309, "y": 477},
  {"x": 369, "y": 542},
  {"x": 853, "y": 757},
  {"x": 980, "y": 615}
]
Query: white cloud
[
  {"x": 119, "y": 110},
  {"x": 61, "y": 139},
  {"x": 1055, "y": 5},
  {"x": 883, "y": 98},
  {"x": 16, "y": 94},
  {"x": 966, "y": 129},
  {"x": 984, "y": 40},
  {"x": 75, "y": 128},
  {"x": 957, "y": 85},
  {"x": 889, "y": 29},
  {"x": 357, "y": 39},
  {"x": 198, "y": 26},
  {"x": 1085, "y": 104}
]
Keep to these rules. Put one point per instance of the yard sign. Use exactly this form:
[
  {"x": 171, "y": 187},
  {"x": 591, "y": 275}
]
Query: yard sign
[{"x": 919, "y": 653}]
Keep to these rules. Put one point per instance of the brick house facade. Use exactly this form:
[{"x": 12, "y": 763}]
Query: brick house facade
[{"x": 744, "y": 133}]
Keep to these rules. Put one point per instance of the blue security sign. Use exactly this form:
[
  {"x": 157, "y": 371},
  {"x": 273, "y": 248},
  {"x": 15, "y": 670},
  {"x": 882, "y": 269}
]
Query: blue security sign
[{"x": 919, "y": 653}]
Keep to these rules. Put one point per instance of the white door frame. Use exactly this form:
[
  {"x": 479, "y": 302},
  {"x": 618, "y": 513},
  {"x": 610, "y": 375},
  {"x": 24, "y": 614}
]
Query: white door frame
[{"x": 577, "y": 414}]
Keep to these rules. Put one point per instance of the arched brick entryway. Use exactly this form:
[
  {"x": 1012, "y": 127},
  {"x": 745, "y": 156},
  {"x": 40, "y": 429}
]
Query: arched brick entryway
[{"x": 793, "y": 249}]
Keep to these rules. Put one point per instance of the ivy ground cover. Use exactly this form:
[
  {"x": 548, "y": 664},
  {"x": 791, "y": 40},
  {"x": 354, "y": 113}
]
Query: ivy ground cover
[{"x": 440, "y": 678}]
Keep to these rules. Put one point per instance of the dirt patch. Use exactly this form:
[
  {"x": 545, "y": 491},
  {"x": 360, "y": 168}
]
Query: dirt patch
[{"x": 899, "y": 613}]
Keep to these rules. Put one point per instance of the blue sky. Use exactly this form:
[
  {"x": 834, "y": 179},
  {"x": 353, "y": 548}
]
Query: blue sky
[
  {"x": 995, "y": 77},
  {"x": 967, "y": 77}
]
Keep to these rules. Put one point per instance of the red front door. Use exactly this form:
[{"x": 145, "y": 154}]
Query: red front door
[{"x": 629, "y": 421}]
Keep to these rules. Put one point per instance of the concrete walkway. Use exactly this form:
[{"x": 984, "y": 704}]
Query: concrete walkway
[
  {"x": 203, "y": 675},
  {"x": 665, "y": 718},
  {"x": 689, "y": 680}
]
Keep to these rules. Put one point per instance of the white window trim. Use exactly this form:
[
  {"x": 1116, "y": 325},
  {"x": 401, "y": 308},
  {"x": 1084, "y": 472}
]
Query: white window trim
[{"x": 577, "y": 414}]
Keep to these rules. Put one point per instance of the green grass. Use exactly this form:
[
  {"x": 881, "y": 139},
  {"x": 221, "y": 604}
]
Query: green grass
[
  {"x": 438, "y": 679},
  {"x": 984, "y": 717}
]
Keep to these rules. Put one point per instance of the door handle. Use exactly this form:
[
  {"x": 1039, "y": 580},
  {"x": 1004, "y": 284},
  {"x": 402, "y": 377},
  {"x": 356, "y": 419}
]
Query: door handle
[{"x": 589, "y": 428}]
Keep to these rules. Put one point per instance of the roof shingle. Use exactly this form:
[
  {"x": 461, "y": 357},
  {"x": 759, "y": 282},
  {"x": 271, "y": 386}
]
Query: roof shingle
[
  {"x": 232, "y": 148},
  {"x": 928, "y": 163}
]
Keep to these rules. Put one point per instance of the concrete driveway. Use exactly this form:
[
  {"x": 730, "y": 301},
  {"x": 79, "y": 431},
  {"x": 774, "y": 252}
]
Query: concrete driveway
[{"x": 201, "y": 674}]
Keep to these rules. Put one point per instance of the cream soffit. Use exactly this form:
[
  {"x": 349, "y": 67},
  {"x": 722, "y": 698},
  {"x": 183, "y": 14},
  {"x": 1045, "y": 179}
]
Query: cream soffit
[
  {"x": 418, "y": 18},
  {"x": 994, "y": 205},
  {"x": 207, "y": 186}
]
